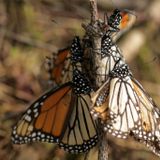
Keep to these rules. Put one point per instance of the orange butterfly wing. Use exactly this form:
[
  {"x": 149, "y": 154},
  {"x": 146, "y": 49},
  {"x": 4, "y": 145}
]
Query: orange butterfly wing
[
  {"x": 59, "y": 116},
  {"x": 60, "y": 63},
  {"x": 121, "y": 19},
  {"x": 128, "y": 19},
  {"x": 46, "y": 118},
  {"x": 54, "y": 110},
  {"x": 59, "y": 67}
]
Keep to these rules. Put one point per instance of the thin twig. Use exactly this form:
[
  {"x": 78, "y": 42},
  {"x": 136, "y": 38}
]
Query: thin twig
[
  {"x": 96, "y": 38},
  {"x": 94, "y": 12}
]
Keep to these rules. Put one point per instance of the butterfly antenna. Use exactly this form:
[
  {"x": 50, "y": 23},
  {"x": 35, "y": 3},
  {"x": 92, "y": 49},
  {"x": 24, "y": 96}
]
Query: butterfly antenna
[{"x": 106, "y": 18}]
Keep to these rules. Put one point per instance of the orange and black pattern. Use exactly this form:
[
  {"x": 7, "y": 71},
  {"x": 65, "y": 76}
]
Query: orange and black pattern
[
  {"x": 120, "y": 19},
  {"x": 62, "y": 116}
]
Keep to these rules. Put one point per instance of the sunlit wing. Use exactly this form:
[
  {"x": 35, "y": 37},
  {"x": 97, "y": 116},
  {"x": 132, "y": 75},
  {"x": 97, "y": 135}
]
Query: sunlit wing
[
  {"x": 119, "y": 109},
  {"x": 149, "y": 131},
  {"x": 127, "y": 110}
]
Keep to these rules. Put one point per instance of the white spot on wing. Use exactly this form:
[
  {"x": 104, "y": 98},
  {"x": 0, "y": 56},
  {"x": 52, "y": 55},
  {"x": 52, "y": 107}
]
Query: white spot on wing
[{"x": 27, "y": 118}]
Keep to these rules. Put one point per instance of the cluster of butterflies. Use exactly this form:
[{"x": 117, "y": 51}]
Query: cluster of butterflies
[{"x": 68, "y": 113}]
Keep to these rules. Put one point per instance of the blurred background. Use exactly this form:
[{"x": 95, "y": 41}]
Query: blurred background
[{"x": 31, "y": 30}]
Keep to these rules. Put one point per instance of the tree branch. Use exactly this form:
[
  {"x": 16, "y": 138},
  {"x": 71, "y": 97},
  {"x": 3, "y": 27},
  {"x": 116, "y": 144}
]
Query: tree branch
[
  {"x": 95, "y": 31},
  {"x": 103, "y": 146}
]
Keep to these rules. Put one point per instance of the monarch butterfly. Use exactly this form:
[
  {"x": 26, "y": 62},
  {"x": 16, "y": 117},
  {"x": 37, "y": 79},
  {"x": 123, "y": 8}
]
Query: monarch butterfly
[
  {"x": 126, "y": 109},
  {"x": 121, "y": 20},
  {"x": 62, "y": 116},
  {"x": 110, "y": 54},
  {"x": 60, "y": 67},
  {"x": 121, "y": 103}
]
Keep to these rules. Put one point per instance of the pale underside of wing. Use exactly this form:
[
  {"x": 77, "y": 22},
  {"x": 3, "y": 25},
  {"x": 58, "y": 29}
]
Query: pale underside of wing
[
  {"x": 111, "y": 57},
  {"x": 117, "y": 107},
  {"x": 80, "y": 134},
  {"x": 129, "y": 110},
  {"x": 150, "y": 120},
  {"x": 123, "y": 108}
]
